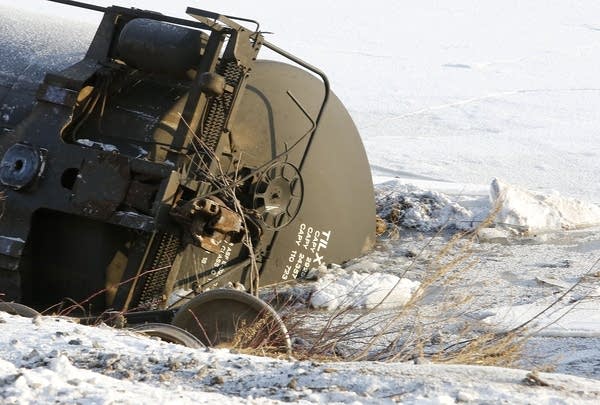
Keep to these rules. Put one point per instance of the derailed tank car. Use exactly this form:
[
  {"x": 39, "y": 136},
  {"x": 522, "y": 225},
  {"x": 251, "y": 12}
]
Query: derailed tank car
[{"x": 166, "y": 157}]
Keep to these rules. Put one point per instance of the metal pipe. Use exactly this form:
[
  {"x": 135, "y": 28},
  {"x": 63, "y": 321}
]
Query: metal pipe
[
  {"x": 80, "y": 4},
  {"x": 138, "y": 12}
]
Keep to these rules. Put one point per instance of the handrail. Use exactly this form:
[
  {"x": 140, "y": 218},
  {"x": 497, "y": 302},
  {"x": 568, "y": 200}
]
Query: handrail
[
  {"x": 81, "y": 4},
  {"x": 316, "y": 71}
]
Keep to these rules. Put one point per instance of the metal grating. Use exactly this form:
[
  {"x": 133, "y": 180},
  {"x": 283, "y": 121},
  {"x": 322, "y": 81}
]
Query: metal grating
[
  {"x": 219, "y": 109},
  {"x": 151, "y": 296}
]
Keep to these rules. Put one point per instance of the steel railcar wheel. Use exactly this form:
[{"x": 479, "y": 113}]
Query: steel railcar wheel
[
  {"x": 15, "y": 308},
  {"x": 232, "y": 318},
  {"x": 169, "y": 333}
]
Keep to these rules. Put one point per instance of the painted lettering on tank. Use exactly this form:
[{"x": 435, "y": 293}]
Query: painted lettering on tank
[{"x": 311, "y": 244}]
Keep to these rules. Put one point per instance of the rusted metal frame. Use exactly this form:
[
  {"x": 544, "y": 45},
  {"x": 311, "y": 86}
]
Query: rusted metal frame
[
  {"x": 196, "y": 102},
  {"x": 137, "y": 258},
  {"x": 242, "y": 48},
  {"x": 205, "y": 17},
  {"x": 226, "y": 270},
  {"x": 241, "y": 36}
]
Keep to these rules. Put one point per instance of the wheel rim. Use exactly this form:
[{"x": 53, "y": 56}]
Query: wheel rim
[
  {"x": 235, "y": 319},
  {"x": 15, "y": 308},
  {"x": 169, "y": 333}
]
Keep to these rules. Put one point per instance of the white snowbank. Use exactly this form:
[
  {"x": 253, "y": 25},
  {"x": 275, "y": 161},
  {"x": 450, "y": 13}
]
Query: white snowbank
[
  {"x": 520, "y": 210},
  {"x": 362, "y": 290},
  {"x": 534, "y": 212}
]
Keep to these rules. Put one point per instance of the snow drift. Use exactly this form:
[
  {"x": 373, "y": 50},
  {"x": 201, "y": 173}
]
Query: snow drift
[
  {"x": 362, "y": 290},
  {"x": 511, "y": 208},
  {"x": 410, "y": 207},
  {"x": 534, "y": 212}
]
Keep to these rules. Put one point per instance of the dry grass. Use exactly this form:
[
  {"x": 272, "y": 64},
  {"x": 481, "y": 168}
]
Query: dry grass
[
  {"x": 436, "y": 324},
  {"x": 488, "y": 349},
  {"x": 263, "y": 337},
  {"x": 413, "y": 331},
  {"x": 410, "y": 332}
]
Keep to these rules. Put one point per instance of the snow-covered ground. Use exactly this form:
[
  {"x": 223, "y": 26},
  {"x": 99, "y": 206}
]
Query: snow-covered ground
[
  {"x": 53, "y": 360},
  {"x": 462, "y": 105}
]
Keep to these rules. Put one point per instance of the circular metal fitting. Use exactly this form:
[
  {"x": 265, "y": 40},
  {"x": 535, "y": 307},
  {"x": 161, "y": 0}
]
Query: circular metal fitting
[
  {"x": 278, "y": 195},
  {"x": 20, "y": 166}
]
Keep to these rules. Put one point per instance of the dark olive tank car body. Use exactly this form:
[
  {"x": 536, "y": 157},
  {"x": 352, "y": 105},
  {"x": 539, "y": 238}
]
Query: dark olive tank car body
[{"x": 159, "y": 155}]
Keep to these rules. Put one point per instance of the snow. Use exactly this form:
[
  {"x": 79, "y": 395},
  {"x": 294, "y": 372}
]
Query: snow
[
  {"x": 13, "y": 238},
  {"x": 509, "y": 206},
  {"x": 461, "y": 107},
  {"x": 55, "y": 360},
  {"x": 579, "y": 319},
  {"x": 362, "y": 290},
  {"x": 536, "y": 212},
  {"x": 93, "y": 144},
  {"x": 424, "y": 210},
  {"x": 177, "y": 295}
]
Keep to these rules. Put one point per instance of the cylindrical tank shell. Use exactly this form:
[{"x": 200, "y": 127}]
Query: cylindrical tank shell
[
  {"x": 32, "y": 45},
  {"x": 159, "y": 47}
]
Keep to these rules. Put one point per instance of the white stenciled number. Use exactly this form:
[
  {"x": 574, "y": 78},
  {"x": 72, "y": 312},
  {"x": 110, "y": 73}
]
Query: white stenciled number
[{"x": 311, "y": 244}]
